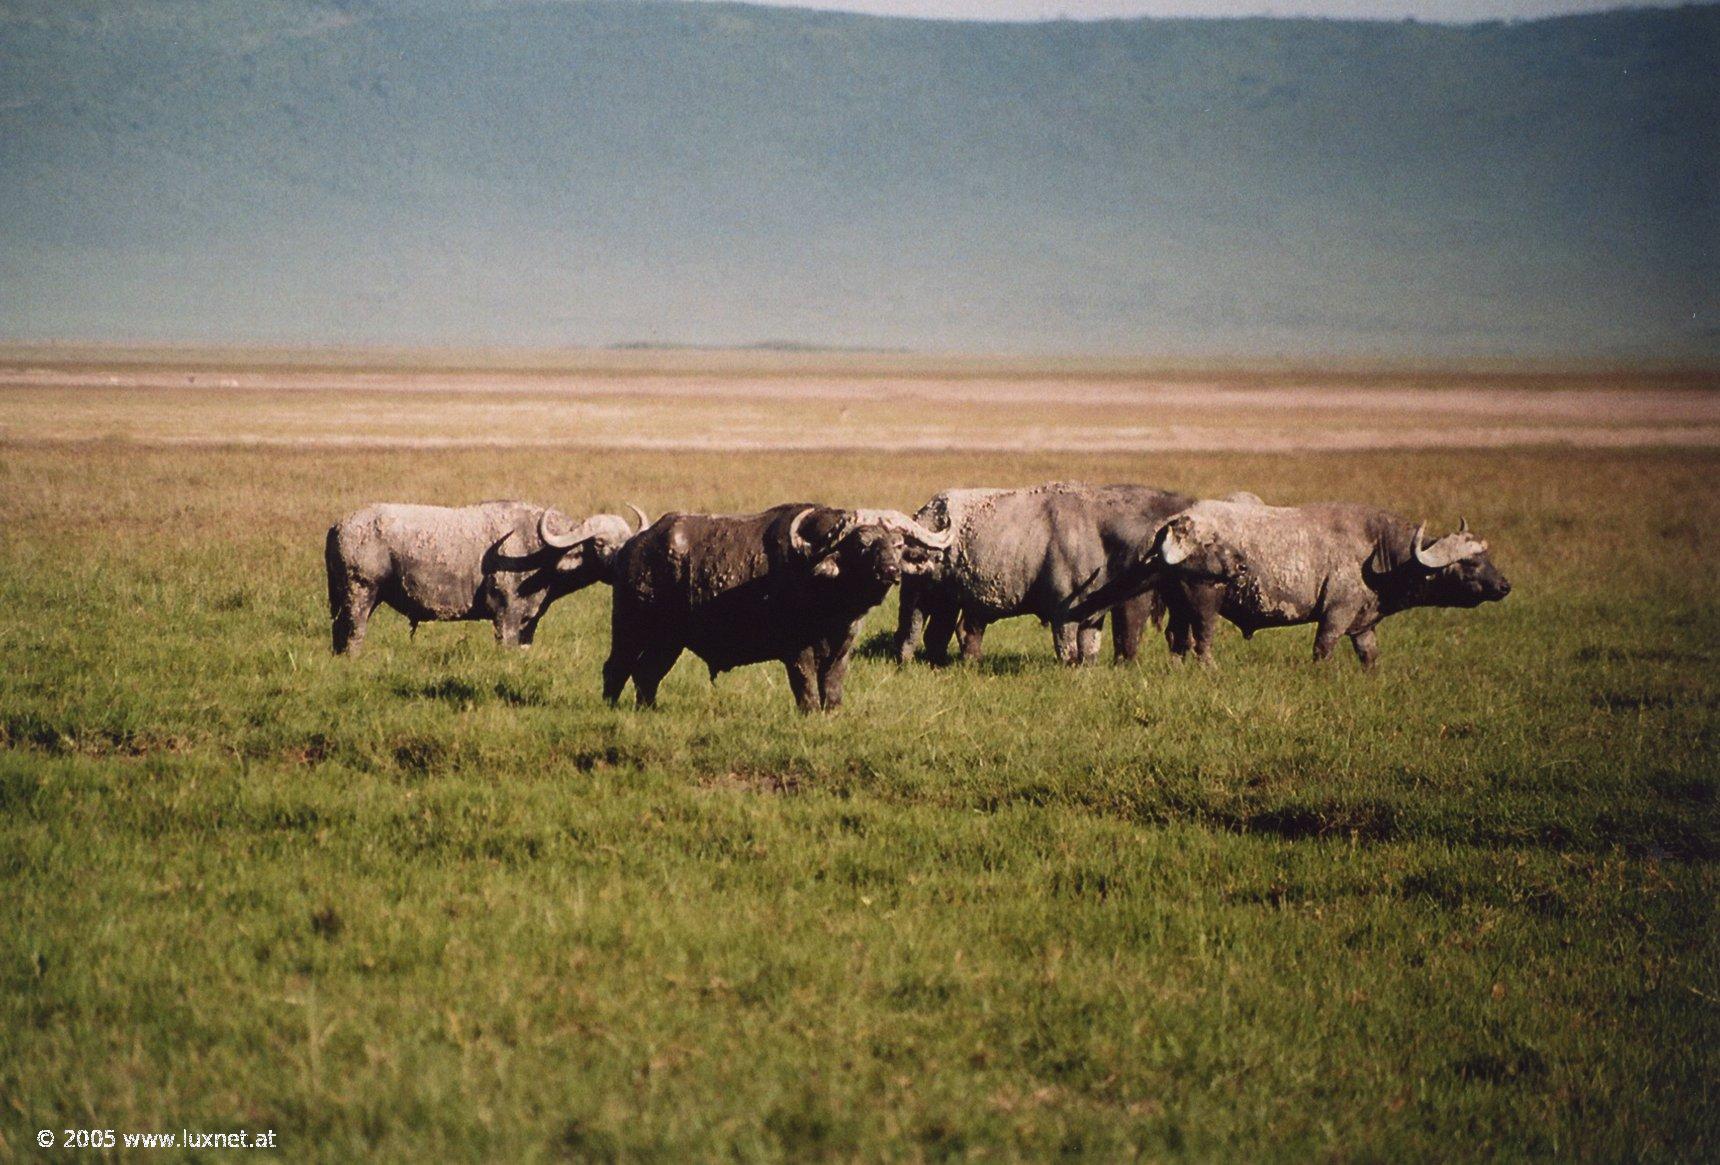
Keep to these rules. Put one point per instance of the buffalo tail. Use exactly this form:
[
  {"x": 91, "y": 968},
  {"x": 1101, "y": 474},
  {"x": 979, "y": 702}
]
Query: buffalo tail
[{"x": 336, "y": 572}]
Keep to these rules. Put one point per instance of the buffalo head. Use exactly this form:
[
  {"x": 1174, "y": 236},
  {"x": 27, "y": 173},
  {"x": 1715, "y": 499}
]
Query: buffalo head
[
  {"x": 588, "y": 550},
  {"x": 1453, "y": 571},
  {"x": 876, "y": 545},
  {"x": 1181, "y": 543}
]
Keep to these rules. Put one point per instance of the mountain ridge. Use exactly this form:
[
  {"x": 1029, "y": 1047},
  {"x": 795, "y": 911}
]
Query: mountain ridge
[{"x": 584, "y": 174}]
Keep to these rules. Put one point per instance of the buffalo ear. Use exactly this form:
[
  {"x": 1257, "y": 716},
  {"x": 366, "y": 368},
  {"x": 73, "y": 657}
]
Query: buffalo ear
[
  {"x": 1176, "y": 541},
  {"x": 1392, "y": 551},
  {"x": 827, "y": 568},
  {"x": 1383, "y": 561},
  {"x": 512, "y": 545}
]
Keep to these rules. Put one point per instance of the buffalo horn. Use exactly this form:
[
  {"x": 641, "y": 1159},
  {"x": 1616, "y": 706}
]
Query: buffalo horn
[
  {"x": 801, "y": 545},
  {"x": 1169, "y": 545},
  {"x": 1415, "y": 545},
  {"x": 1454, "y": 550},
  {"x": 900, "y": 522},
  {"x": 561, "y": 541}
]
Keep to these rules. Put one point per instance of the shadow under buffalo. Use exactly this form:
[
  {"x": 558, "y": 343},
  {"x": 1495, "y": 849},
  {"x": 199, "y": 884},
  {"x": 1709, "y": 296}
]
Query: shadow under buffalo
[{"x": 881, "y": 645}]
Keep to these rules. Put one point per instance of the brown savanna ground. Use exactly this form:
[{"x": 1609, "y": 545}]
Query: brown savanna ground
[{"x": 791, "y": 400}]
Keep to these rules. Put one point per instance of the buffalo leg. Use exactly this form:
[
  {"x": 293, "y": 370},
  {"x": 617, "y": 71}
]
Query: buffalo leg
[
  {"x": 1203, "y": 620},
  {"x": 617, "y": 670},
  {"x": 830, "y": 681},
  {"x": 1128, "y": 620},
  {"x": 625, "y": 649},
  {"x": 973, "y": 639},
  {"x": 1066, "y": 639},
  {"x": 1179, "y": 633},
  {"x": 1091, "y": 634},
  {"x": 1333, "y": 626},
  {"x": 940, "y": 629},
  {"x": 1202, "y": 633},
  {"x": 910, "y": 621},
  {"x": 1179, "y": 621},
  {"x": 833, "y": 669},
  {"x": 1367, "y": 647},
  {"x": 649, "y": 669},
  {"x": 803, "y": 680}
]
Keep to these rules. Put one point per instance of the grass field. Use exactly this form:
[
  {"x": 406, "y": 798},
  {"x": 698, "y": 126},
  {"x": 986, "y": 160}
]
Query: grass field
[{"x": 439, "y": 902}]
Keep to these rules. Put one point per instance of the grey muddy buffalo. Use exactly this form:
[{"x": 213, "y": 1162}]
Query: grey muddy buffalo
[
  {"x": 1034, "y": 551},
  {"x": 791, "y": 584},
  {"x": 1341, "y": 567},
  {"x": 503, "y": 562}
]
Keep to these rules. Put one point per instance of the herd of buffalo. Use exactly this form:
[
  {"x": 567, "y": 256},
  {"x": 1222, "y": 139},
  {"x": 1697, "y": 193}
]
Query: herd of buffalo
[{"x": 794, "y": 582}]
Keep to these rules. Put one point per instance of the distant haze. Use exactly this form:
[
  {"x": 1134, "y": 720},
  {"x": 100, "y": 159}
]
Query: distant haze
[
  {"x": 561, "y": 174},
  {"x": 1437, "y": 10}
]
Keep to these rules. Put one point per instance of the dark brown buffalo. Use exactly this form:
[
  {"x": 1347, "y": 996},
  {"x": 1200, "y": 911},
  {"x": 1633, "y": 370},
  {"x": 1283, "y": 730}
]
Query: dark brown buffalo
[{"x": 791, "y": 584}]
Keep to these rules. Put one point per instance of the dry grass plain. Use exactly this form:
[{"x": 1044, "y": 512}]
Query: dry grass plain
[
  {"x": 681, "y": 400},
  {"x": 440, "y": 901}
]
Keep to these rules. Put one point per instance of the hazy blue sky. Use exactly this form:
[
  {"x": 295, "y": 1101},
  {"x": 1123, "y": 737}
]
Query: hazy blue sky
[{"x": 1096, "y": 9}]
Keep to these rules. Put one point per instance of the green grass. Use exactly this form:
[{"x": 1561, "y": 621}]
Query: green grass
[{"x": 439, "y": 902}]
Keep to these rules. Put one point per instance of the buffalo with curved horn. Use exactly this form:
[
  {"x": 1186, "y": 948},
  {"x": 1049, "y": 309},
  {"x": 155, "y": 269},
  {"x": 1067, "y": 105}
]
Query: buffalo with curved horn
[
  {"x": 791, "y": 583},
  {"x": 590, "y": 529},
  {"x": 1341, "y": 567},
  {"x": 1035, "y": 551},
  {"x": 502, "y": 562}
]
